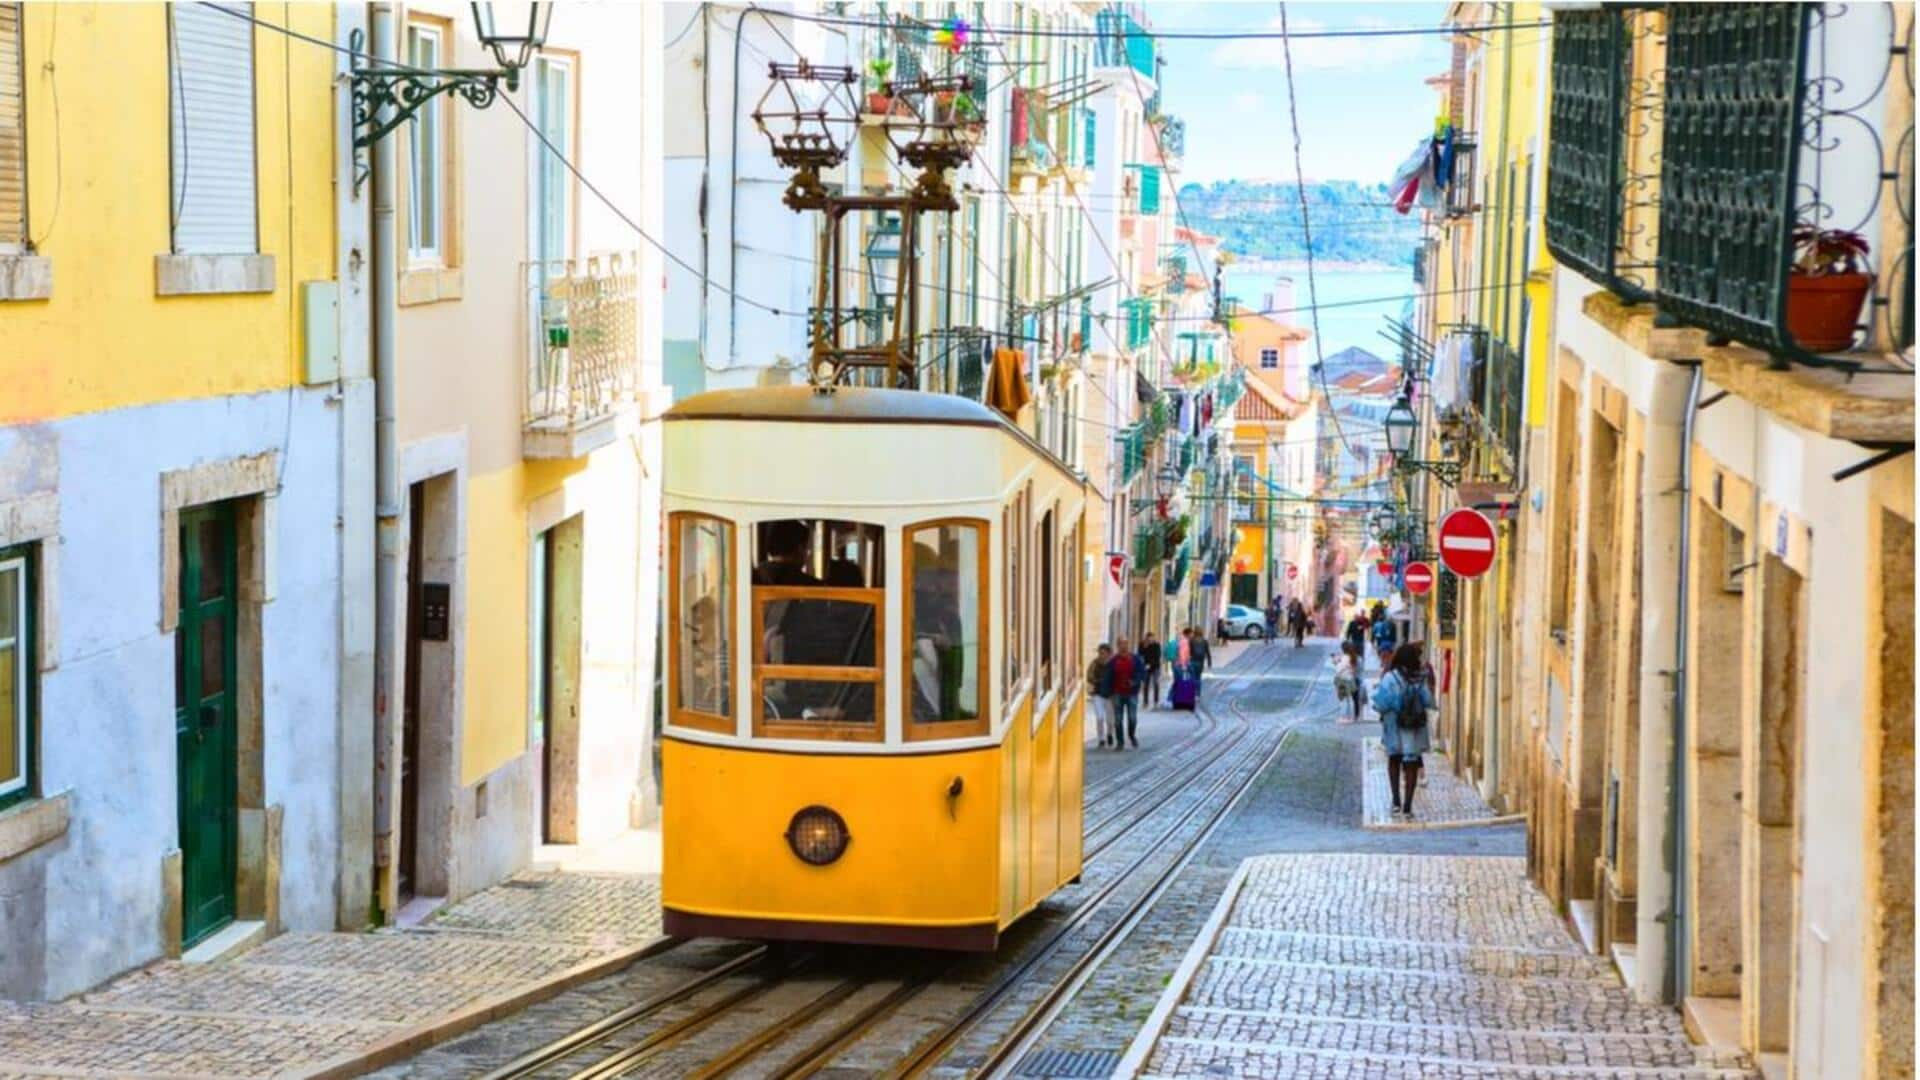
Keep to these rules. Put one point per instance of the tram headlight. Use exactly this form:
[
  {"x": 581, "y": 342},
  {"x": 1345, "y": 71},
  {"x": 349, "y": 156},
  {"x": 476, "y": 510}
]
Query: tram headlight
[{"x": 817, "y": 835}]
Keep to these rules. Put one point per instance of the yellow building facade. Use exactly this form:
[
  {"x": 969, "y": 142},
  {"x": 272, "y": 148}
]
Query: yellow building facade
[
  {"x": 1691, "y": 666},
  {"x": 179, "y": 550}
]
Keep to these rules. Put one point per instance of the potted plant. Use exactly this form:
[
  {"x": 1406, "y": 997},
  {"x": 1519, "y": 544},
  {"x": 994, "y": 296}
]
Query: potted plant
[
  {"x": 943, "y": 107},
  {"x": 1827, "y": 285},
  {"x": 879, "y": 102}
]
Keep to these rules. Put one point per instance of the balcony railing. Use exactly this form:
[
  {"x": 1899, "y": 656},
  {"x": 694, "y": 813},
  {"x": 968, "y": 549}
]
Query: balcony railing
[
  {"x": 1173, "y": 138},
  {"x": 1460, "y": 190},
  {"x": 583, "y": 354},
  {"x": 1779, "y": 117},
  {"x": 1149, "y": 547},
  {"x": 1603, "y": 160},
  {"x": 955, "y": 360}
]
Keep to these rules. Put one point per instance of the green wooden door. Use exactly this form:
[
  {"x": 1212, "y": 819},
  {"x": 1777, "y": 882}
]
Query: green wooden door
[{"x": 205, "y": 720}]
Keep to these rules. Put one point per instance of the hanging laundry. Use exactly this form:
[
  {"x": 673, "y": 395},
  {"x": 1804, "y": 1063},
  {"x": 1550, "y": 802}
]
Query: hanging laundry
[{"x": 1008, "y": 391}]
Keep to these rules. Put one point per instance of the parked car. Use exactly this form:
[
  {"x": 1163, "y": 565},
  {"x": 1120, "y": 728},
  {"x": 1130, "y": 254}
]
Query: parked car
[{"x": 1241, "y": 621}]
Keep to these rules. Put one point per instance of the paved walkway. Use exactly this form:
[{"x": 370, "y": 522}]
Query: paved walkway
[
  {"x": 311, "y": 1002},
  {"x": 1443, "y": 801},
  {"x": 1385, "y": 966}
]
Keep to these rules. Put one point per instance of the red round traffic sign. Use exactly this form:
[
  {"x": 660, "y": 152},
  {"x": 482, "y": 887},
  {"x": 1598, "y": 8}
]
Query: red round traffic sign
[
  {"x": 1419, "y": 578},
  {"x": 1466, "y": 542},
  {"x": 1292, "y": 571}
]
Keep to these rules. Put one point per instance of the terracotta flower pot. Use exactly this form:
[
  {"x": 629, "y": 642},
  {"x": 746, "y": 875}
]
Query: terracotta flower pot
[
  {"x": 879, "y": 103},
  {"x": 1822, "y": 310}
]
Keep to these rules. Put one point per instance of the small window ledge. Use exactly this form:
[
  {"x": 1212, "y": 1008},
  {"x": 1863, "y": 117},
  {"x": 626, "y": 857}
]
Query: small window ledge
[
  {"x": 430, "y": 285},
  {"x": 31, "y": 824},
  {"x": 212, "y": 275},
  {"x": 26, "y": 277}
]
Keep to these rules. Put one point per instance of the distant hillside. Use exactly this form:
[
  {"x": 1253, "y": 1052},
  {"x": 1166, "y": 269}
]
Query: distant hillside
[{"x": 1256, "y": 219}]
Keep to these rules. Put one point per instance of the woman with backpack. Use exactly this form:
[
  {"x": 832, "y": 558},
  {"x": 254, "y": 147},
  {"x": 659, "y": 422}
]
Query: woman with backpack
[{"x": 1403, "y": 699}]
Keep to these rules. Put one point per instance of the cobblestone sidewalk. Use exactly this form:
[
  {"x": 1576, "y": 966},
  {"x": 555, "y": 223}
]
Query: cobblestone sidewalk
[
  {"x": 1443, "y": 801},
  {"x": 1385, "y": 966},
  {"x": 302, "y": 1003}
]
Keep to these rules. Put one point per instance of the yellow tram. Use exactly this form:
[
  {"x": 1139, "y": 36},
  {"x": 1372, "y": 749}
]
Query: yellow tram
[{"x": 874, "y": 700}]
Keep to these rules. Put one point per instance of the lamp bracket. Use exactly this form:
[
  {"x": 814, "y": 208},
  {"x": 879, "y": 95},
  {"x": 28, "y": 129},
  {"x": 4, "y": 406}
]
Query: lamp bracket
[{"x": 384, "y": 98}]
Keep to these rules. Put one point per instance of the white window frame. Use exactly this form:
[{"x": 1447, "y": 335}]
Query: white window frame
[
  {"x": 427, "y": 141},
  {"x": 536, "y": 206}
]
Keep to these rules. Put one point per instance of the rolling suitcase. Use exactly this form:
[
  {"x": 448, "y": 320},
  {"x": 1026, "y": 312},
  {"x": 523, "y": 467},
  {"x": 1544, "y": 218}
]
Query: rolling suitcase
[{"x": 1185, "y": 691}]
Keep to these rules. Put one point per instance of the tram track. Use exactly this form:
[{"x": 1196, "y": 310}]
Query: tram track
[
  {"x": 742, "y": 980},
  {"x": 1008, "y": 1049}
]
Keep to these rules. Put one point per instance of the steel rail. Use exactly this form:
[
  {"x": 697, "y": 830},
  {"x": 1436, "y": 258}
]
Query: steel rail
[
  {"x": 928, "y": 1053},
  {"x": 1033, "y": 1026},
  {"x": 606, "y": 1027}
]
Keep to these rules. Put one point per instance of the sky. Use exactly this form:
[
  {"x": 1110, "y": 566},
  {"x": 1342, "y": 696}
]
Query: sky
[{"x": 1363, "y": 101}]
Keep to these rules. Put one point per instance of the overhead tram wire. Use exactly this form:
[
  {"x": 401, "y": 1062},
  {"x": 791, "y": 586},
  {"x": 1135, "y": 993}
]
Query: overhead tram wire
[
  {"x": 1281, "y": 34},
  {"x": 395, "y": 65}
]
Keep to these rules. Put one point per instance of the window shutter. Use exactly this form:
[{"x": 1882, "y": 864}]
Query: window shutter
[
  {"x": 13, "y": 134},
  {"x": 210, "y": 84}
]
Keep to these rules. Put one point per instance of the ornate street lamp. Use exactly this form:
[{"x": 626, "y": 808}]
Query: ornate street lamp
[
  {"x": 387, "y": 95},
  {"x": 1400, "y": 425}
]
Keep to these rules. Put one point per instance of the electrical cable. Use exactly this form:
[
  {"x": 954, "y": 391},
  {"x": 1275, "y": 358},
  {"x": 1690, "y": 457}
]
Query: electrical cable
[
  {"x": 538, "y": 134},
  {"x": 1217, "y": 35},
  {"x": 1306, "y": 226}
]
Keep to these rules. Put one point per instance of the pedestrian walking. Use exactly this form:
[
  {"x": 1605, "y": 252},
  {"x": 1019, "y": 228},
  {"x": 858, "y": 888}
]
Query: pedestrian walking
[
  {"x": 1403, "y": 700},
  {"x": 1386, "y": 636},
  {"x": 1100, "y": 691},
  {"x": 1273, "y": 618},
  {"x": 1348, "y": 680},
  {"x": 1202, "y": 658},
  {"x": 1150, "y": 661},
  {"x": 1125, "y": 670},
  {"x": 1356, "y": 633},
  {"x": 1297, "y": 622}
]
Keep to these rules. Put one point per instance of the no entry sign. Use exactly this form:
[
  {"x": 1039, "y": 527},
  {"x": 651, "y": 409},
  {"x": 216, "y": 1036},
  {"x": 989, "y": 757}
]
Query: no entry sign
[
  {"x": 1292, "y": 571},
  {"x": 1466, "y": 542},
  {"x": 1419, "y": 578}
]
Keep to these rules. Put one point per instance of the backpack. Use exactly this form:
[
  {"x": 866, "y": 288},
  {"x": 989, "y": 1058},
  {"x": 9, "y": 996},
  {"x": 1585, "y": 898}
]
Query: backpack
[
  {"x": 1383, "y": 633},
  {"x": 1412, "y": 714}
]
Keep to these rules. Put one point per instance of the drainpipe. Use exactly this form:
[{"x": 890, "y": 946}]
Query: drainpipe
[
  {"x": 386, "y": 493},
  {"x": 1677, "y": 943}
]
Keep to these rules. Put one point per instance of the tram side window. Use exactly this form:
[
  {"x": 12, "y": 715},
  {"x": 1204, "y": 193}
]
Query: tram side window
[
  {"x": 946, "y": 654},
  {"x": 1048, "y": 609},
  {"x": 703, "y": 602},
  {"x": 1070, "y": 572},
  {"x": 818, "y": 591}
]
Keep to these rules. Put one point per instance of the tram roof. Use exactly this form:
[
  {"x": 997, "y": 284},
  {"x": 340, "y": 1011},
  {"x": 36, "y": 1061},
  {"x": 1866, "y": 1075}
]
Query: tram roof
[{"x": 847, "y": 405}]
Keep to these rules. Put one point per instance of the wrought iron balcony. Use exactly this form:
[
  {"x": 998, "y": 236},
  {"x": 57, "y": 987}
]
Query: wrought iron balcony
[
  {"x": 583, "y": 357},
  {"x": 1780, "y": 117},
  {"x": 1603, "y": 158},
  {"x": 955, "y": 360},
  {"x": 1173, "y": 138},
  {"x": 1149, "y": 547},
  {"x": 1460, "y": 198}
]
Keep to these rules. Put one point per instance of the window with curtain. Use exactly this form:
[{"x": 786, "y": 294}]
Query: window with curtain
[{"x": 210, "y": 92}]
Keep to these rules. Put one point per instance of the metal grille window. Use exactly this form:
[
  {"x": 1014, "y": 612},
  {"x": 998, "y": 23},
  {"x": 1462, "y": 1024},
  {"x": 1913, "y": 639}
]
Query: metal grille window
[
  {"x": 13, "y": 133},
  {"x": 211, "y": 110}
]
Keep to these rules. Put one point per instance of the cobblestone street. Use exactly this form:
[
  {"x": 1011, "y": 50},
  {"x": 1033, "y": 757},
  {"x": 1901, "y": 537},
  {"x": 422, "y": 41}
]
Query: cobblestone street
[
  {"x": 1340, "y": 965},
  {"x": 306, "y": 1002}
]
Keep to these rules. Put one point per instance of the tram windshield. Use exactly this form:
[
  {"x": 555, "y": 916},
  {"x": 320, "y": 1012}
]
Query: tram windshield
[{"x": 818, "y": 597}]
